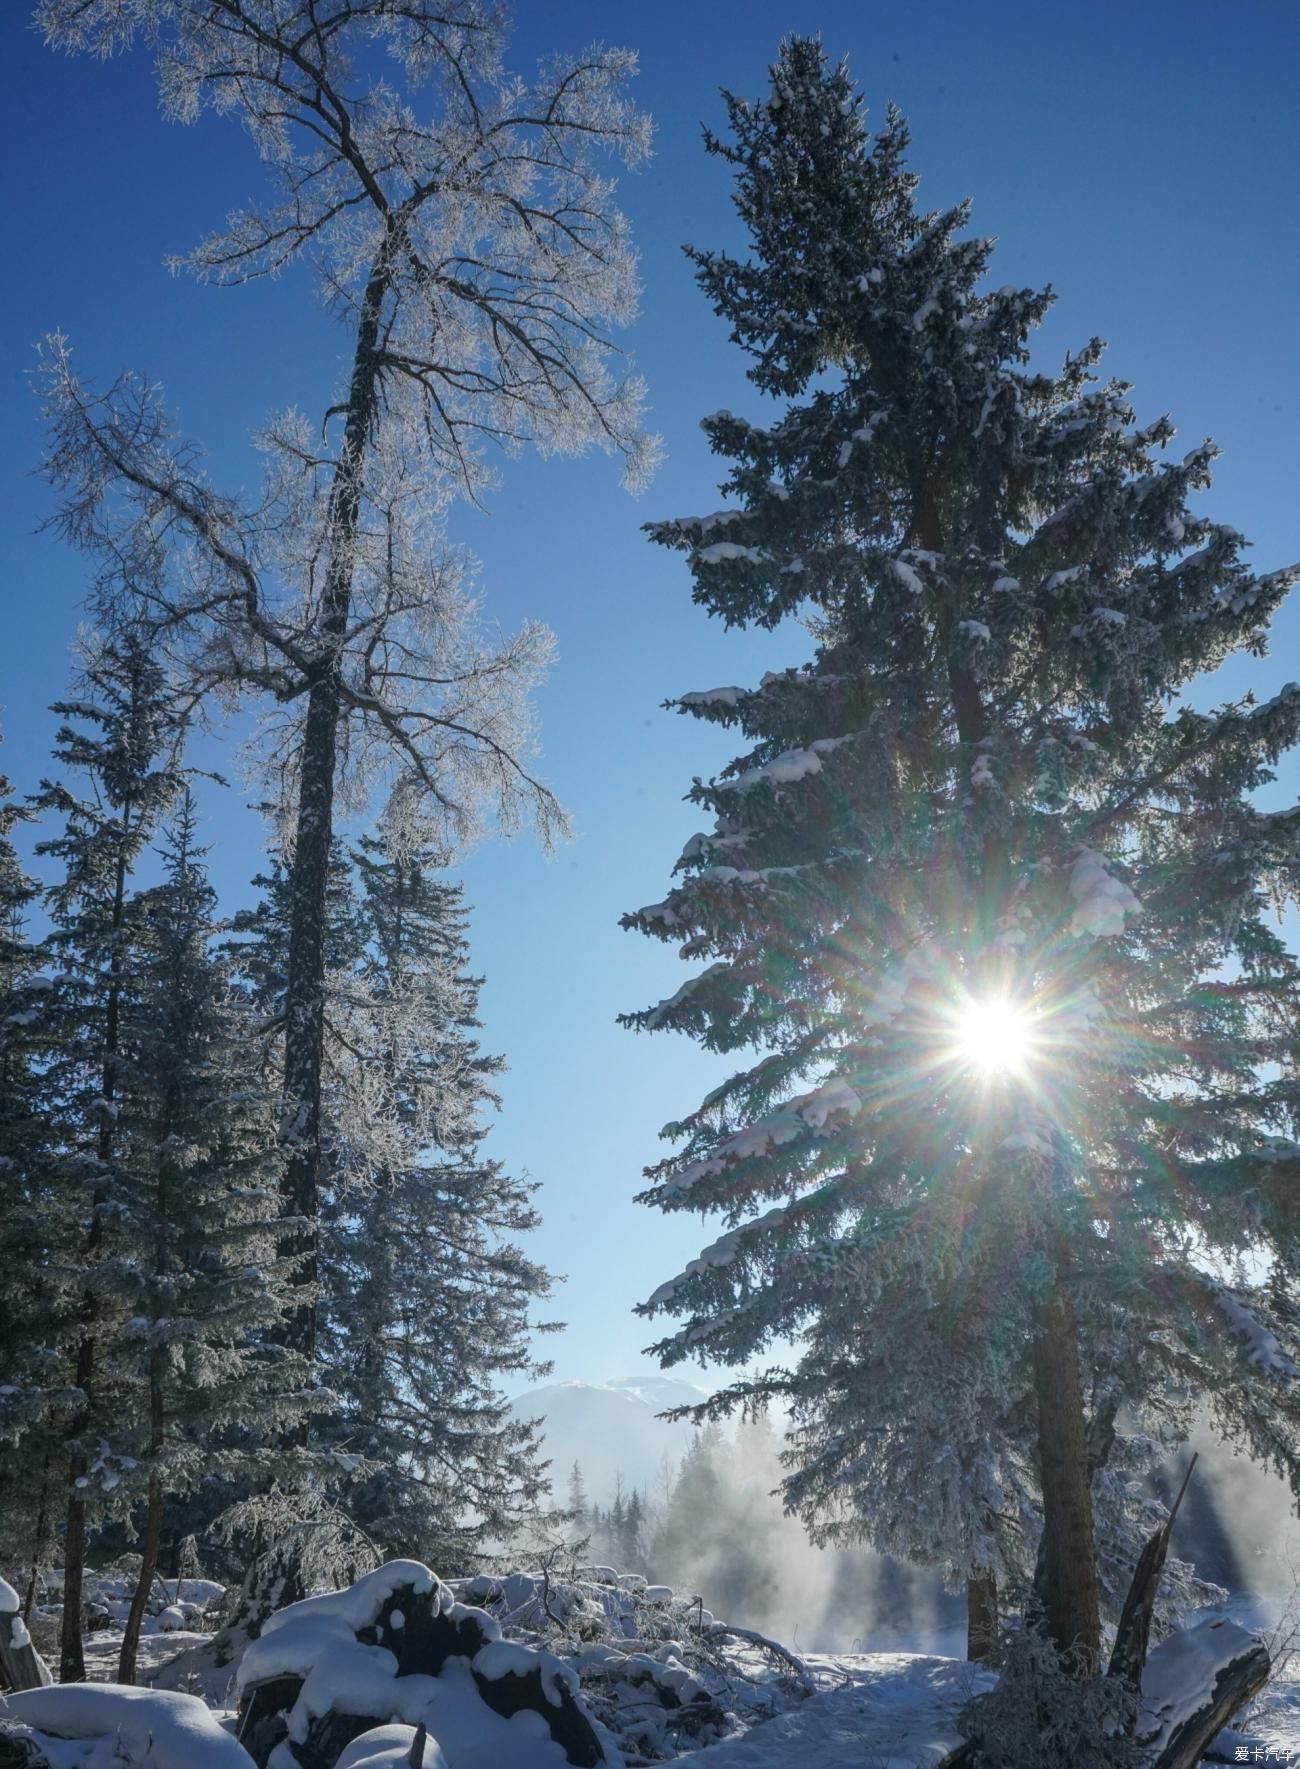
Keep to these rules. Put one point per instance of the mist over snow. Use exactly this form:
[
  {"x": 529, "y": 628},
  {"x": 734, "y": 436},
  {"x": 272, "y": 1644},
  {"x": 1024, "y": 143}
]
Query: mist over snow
[
  {"x": 715, "y": 1528},
  {"x": 1238, "y": 1523}
]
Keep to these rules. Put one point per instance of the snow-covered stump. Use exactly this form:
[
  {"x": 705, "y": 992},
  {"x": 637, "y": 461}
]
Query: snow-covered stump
[
  {"x": 21, "y": 1666},
  {"x": 396, "y": 1648}
]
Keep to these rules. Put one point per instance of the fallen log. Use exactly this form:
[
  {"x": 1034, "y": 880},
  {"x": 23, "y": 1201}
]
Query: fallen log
[{"x": 1195, "y": 1682}]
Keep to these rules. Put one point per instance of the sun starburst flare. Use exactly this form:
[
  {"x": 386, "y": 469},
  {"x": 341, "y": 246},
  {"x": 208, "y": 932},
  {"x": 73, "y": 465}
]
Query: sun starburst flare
[{"x": 995, "y": 1036}]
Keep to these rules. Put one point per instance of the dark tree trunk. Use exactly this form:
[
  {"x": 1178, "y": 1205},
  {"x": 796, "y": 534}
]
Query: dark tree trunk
[
  {"x": 38, "y": 1540},
  {"x": 1133, "y": 1635},
  {"x": 140, "y": 1597},
  {"x": 1071, "y": 1604},
  {"x": 304, "y": 1006},
  {"x": 72, "y": 1655},
  {"x": 981, "y": 1618},
  {"x": 152, "y": 1528}
]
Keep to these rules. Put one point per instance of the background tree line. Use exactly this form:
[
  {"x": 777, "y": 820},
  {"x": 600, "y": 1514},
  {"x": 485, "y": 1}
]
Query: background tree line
[{"x": 143, "y": 1230}]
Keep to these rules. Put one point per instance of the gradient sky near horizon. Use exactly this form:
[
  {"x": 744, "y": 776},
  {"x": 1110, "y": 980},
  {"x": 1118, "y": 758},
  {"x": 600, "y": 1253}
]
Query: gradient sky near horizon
[{"x": 1144, "y": 159}]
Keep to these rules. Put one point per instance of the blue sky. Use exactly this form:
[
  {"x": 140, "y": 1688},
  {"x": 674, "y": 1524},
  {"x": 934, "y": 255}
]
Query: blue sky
[{"x": 1142, "y": 159}]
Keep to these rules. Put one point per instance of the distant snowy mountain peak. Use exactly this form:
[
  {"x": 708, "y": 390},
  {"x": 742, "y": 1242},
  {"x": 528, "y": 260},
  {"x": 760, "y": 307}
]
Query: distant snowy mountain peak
[
  {"x": 611, "y": 1430},
  {"x": 660, "y": 1392}
]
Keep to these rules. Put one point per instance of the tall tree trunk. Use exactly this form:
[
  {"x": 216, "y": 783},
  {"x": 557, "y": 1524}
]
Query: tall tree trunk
[
  {"x": 140, "y": 1597},
  {"x": 72, "y": 1656},
  {"x": 1072, "y": 1608},
  {"x": 981, "y": 1618},
  {"x": 152, "y": 1527},
  {"x": 304, "y": 1007},
  {"x": 1071, "y": 1600}
]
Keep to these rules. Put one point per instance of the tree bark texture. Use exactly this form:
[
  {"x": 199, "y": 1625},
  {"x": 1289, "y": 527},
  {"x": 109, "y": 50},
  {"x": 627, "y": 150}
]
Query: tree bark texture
[
  {"x": 981, "y": 1618},
  {"x": 1071, "y": 1603},
  {"x": 304, "y": 1007},
  {"x": 152, "y": 1528}
]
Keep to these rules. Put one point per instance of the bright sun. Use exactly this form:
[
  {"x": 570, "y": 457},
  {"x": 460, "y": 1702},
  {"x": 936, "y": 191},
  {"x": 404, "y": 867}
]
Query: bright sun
[{"x": 995, "y": 1036}]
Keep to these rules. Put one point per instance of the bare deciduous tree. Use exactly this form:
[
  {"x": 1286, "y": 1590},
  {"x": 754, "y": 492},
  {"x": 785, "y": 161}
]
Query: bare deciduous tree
[{"x": 459, "y": 222}]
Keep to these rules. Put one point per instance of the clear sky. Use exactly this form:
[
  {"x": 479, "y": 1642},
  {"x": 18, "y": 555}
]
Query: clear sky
[{"x": 1144, "y": 159}]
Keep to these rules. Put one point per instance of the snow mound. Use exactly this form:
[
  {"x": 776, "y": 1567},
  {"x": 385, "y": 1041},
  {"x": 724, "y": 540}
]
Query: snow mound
[
  {"x": 389, "y": 1747},
  {"x": 142, "y": 1728}
]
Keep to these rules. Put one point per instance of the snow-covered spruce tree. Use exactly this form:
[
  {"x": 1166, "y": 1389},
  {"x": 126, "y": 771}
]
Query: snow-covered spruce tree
[
  {"x": 691, "y": 1507},
  {"x": 578, "y": 1507},
  {"x": 426, "y": 1293},
  {"x": 120, "y": 746},
  {"x": 34, "y": 1231},
  {"x": 461, "y": 224},
  {"x": 982, "y": 809},
  {"x": 632, "y": 1540},
  {"x": 199, "y": 1201}
]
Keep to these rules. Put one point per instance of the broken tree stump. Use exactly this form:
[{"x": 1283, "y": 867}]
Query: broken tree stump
[
  {"x": 21, "y": 1666},
  {"x": 1133, "y": 1636}
]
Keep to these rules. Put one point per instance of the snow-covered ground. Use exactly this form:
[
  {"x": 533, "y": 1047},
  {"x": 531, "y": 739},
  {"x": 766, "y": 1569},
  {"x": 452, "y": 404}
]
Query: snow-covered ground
[
  {"x": 895, "y": 1709},
  {"x": 155, "y": 1650},
  {"x": 887, "y": 1710}
]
